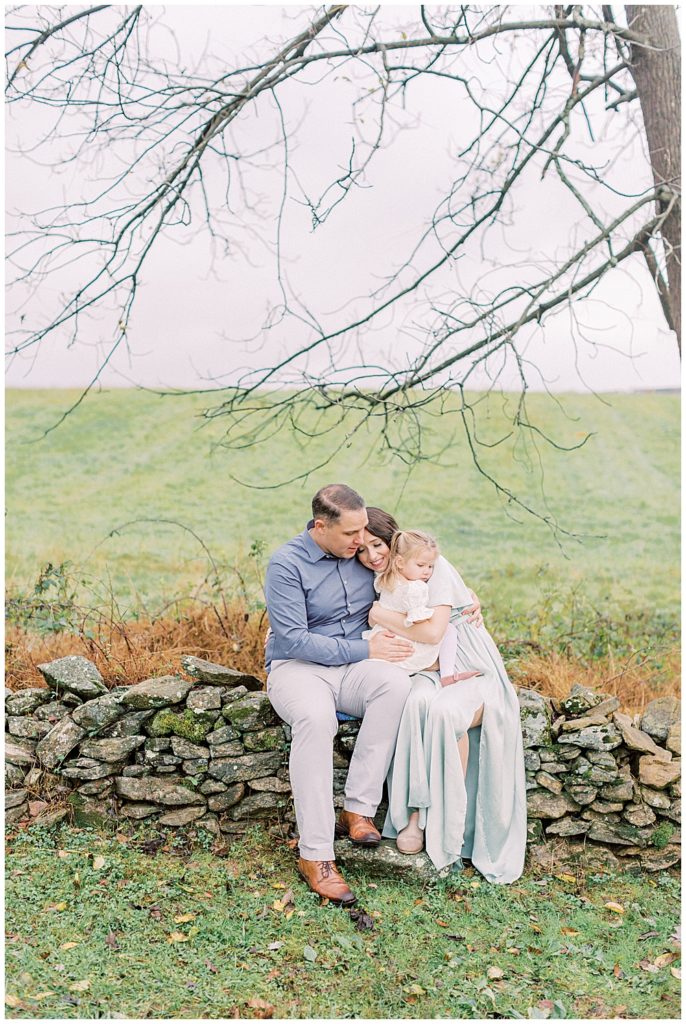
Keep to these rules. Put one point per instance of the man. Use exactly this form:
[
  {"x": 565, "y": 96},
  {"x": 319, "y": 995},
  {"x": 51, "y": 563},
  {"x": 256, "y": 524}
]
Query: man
[{"x": 318, "y": 598}]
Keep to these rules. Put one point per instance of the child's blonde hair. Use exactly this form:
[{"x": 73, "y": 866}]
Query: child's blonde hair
[{"x": 403, "y": 545}]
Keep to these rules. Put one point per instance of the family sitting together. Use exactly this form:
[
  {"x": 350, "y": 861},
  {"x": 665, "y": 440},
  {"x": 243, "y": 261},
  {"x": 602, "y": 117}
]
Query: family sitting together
[{"x": 440, "y": 719}]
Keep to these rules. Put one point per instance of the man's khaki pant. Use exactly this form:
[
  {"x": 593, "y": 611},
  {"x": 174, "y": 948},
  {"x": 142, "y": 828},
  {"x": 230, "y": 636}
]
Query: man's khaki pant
[{"x": 307, "y": 697}]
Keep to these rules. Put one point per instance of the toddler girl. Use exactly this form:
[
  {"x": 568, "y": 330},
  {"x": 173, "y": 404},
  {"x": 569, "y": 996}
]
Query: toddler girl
[{"x": 403, "y": 587}]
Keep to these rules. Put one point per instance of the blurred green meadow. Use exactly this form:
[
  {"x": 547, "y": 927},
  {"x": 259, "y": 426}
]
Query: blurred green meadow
[{"x": 128, "y": 455}]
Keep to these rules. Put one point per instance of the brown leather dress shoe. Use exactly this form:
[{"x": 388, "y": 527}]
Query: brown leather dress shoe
[
  {"x": 324, "y": 878},
  {"x": 361, "y": 830}
]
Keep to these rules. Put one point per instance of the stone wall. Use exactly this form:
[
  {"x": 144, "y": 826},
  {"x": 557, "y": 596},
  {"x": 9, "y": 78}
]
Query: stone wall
[{"x": 209, "y": 750}]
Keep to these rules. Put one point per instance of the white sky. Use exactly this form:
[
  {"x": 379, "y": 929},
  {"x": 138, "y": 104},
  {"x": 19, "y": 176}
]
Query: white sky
[{"x": 192, "y": 312}]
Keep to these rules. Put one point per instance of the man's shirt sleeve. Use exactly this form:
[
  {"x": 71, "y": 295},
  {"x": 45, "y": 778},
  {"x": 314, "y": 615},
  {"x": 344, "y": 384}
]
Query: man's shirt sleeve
[{"x": 288, "y": 620}]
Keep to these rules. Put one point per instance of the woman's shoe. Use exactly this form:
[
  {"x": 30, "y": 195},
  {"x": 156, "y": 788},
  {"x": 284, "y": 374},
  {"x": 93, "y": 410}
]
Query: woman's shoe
[{"x": 411, "y": 838}]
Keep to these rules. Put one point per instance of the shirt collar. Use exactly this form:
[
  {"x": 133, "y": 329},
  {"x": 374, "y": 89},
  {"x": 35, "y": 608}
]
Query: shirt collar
[{"x": 311, "y": 546}]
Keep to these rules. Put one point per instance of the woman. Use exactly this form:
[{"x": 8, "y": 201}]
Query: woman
[{"x": 457, "y": 778}]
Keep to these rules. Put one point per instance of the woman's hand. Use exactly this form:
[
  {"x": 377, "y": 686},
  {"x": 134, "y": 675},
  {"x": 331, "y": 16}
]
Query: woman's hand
[{"x": 473, "y": 612}]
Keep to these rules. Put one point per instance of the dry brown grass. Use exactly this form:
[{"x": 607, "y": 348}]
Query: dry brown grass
[{"x": 132, "y": 651}]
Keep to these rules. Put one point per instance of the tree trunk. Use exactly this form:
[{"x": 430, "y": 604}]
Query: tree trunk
[{"x": 656, "y": 70}]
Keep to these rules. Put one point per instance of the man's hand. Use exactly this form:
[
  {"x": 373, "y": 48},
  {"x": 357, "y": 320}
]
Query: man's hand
[
  {"x": 473, "y": 612},
  {"x": 389, "y": 647}
]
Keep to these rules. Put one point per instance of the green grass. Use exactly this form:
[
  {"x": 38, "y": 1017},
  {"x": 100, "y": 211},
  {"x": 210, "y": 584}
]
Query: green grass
[
  {"x": 126, "y": 455},
  {"x": 428, "y": 956}
]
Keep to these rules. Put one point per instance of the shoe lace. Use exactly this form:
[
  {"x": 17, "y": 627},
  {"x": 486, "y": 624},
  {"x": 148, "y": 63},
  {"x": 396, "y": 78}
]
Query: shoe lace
[{"x": 328, "y": 868}]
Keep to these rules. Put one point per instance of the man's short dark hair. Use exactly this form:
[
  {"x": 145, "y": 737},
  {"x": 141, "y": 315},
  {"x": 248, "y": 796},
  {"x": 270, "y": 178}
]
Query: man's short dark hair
[{"x": 330, "y": 501}]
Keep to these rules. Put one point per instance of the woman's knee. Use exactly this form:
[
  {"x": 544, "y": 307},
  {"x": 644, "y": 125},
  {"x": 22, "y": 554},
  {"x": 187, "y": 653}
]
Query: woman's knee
[{"x": 445, "y": 710}]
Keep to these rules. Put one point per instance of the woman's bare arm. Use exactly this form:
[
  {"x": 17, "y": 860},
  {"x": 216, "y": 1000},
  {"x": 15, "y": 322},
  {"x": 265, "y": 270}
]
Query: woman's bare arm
[{"x": 428, "y": 632}]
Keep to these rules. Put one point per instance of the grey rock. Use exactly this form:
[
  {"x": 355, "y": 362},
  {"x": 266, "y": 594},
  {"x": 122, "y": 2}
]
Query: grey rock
[
  {"x": 229, "y": 798},
  {"x": 549, "y": 782},
  {"x": 568, "y": 827},
  {"x": 660, "y": 715},
  {"x": 613, "y": 818},
  {"x": 218, "y": 675},
  {"x": 131, "y": 724},
  {"x": 673, "y": 741},
  {"x": 88, "y": 769},
  {"x": 204, "y": 698},
  {"x": 639, "y": 814},
  {"x": 673, "y": 812},
  {"x": 568, "y": 752},
  {"x": 224, "y": 735},
  {"x": 602, "y": 758},
  {"x": 59, "y": 742},
  {"x": 158, "y": 791},
  {"x": 15, "y": 797},
  {"x": 99, "y": 713},
  {"x": 26, "y": 727},
  {"x": 233, "y": 749},
  {"x": 542, "y": 804},
  {"x": 260, "y": 805},
  {"x": 594, "y": 737},
  {"x": 159, "y": 759},
  {"x": 72, "y": 699},
  {"x": 582, "y": 794},
  {"x": 73, "y": 674},
  {"x": 657, "y": 774},
  {"x": 386, "y": 861},
  {"x": 88, "y": 811},
  {"x": 160, "y": 744},
  {"x": 17, "y": 813},
  {"x": 340, "y": 777},
  {"x": 25, "y": 702},
  {"x": 113, "y": 749},
  {"x": 212, "y": 786},
  {"x": 183, "y": 817},
  {"x": 582, "y": 771},
  {"x": 14, "y": 775},
  {"x": 51, "y": 712},
  {"x": 339, "y": 760},
  {"x": 621, "y": 790},
  {"x": 636, "y": 739},
  {"x": 244, "y": 769},
  {"x": 580, "y": 701},
  {"x": 139, "y": 811},
  {"x": 185, "y": 749},
  {"x": 619, "y": 834},
  {"x": 50, "y": 818},
  {"x": 265, "y": 739},
  {"x": 534, "y": 830},
  {"x": 165, "y": 769},
  {"x": 674, "y": 789},
  {"x": 660, "y": 860},
  {"x": 606, "y": 807},
  {"x": 606, "y": 707},
  {"x": 156, "y": 693},
  {"x": 228, "y": 696},
  {"x": 347, "y": 742},
  {"x": 535, "y": 717},
  {"x": 101, "y": 787},
  {"x": 270, "y": 784},
  {"x": 250, "y": 713},
  {"x": 530, "y": 782},
  {"x": 210, "y": 823},
  {"x": 532, "y": 760},
  {"x": 655, "y": 798},
  {"x": 576, "y": 724},
  {"x": 135, "y": 771},
  {"x": 194, "y": 766}
]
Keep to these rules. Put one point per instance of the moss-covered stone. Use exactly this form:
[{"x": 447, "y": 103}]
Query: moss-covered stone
[
  {"x": 264, "y": 739},
  {"x": 251, "y": 713},
  {"x": 189, "y": 725},
  {"x": 88, "y": 812}
]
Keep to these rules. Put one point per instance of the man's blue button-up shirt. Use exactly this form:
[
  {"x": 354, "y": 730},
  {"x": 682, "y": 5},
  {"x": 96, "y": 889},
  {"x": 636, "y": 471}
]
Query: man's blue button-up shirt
[{"x": 318, "y": 605}]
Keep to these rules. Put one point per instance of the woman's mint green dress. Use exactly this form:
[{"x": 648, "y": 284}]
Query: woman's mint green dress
[{"x": 484, "y": 816}]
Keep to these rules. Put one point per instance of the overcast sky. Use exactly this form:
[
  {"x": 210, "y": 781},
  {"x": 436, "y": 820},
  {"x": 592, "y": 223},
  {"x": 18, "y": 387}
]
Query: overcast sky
[{"x": 194, "y": 312}]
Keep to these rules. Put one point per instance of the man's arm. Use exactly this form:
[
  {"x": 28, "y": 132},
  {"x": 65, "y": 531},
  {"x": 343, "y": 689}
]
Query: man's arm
[{"x": 288, "y": 620}]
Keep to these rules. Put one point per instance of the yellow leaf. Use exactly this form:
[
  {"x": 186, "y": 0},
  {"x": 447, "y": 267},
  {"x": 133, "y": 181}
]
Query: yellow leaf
[
  {"x": 277, "y": 885},
  {"x": 42, "y": 995},
  {"x": 80, "y": 986},
  {"x": 475, "y": 884},
  {"x": 566, "y": 878},
  {"x": 414, "y": 990},
  {"x": 63, "y": 853},
  {"x": 535, "y": 928},
  {"x": 664, "y": 958},
  {"x": 184, "y": 918},
  {"x": 56, "y": 906},
  {"x": 68, "y": 945},
  {"x": 616, "y": 908},
  {"x": 494, "y": 973},
  {"x": 289, "y": 914},
  {"x": 675, "y": 972},
  {"x": 77, "y": 879},
  {"x": 177, "y": 937},
  {"x": 98, "y": 863},
  {"x": 569, "y": 931},
  {"x": 13, "y": 1000}
]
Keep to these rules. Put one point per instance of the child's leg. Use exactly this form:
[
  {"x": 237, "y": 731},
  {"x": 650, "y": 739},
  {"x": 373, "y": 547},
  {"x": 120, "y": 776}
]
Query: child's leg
[{"x": 447, "y": 655}]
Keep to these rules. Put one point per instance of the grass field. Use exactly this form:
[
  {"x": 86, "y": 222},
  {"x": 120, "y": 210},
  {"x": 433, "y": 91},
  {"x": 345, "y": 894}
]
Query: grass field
[
  {"x": 136, "y": 926},
  {"x": 126, "y": 455}
]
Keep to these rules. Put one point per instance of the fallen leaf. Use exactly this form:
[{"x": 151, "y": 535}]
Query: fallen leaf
[
  {"x": 263, "y": 1010},
  {"x": 310, "y": 954},
  {"x": 35, "y": 808},
  {"x": 42, "y": 995},
  {"x": 211, "y": 967},
  {"x": 98, "y": 863},
  {"x": 76, "y": 880},
  {"x": 184, "y": 918},
  {"x": 277, "y": 885},
  {"x": 80, "y": 986},
  {"x": 63, "y": 853},
  {"x": 665, "y": 958},
  {"x": 617, "y": 971},
  {"x": 442, "y": 924},
  {"x": 535, "y": 928},
  {"x": 568, "y": 931},
  {"x": 646, "y": 965},
  {"x": 13, "y": 1001},
  {"x": 68, "y": 945},
  {"x": 56, "y": 906},
  {"x": 495, "y": 973},
  {"x": 675, "y": 972},
  {"x": 111, "y": 940},
  {"x": 616, "y": 908},
  {"x": 564, "y": 877},
  {"x": 363, "y": 921},
  {"x": 648, "y": 935},
  {"x": 155, "y": 913},
  {"x": 275, "y": 945},
  {"x": 414, "y": 990},
  {"x": 177, "y": 937},
  {"x": 514, "y": 950}
]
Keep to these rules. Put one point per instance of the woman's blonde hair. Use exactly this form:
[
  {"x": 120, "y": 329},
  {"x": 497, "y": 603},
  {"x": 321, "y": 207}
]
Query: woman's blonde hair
[{"x": 403, "y": 544}]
